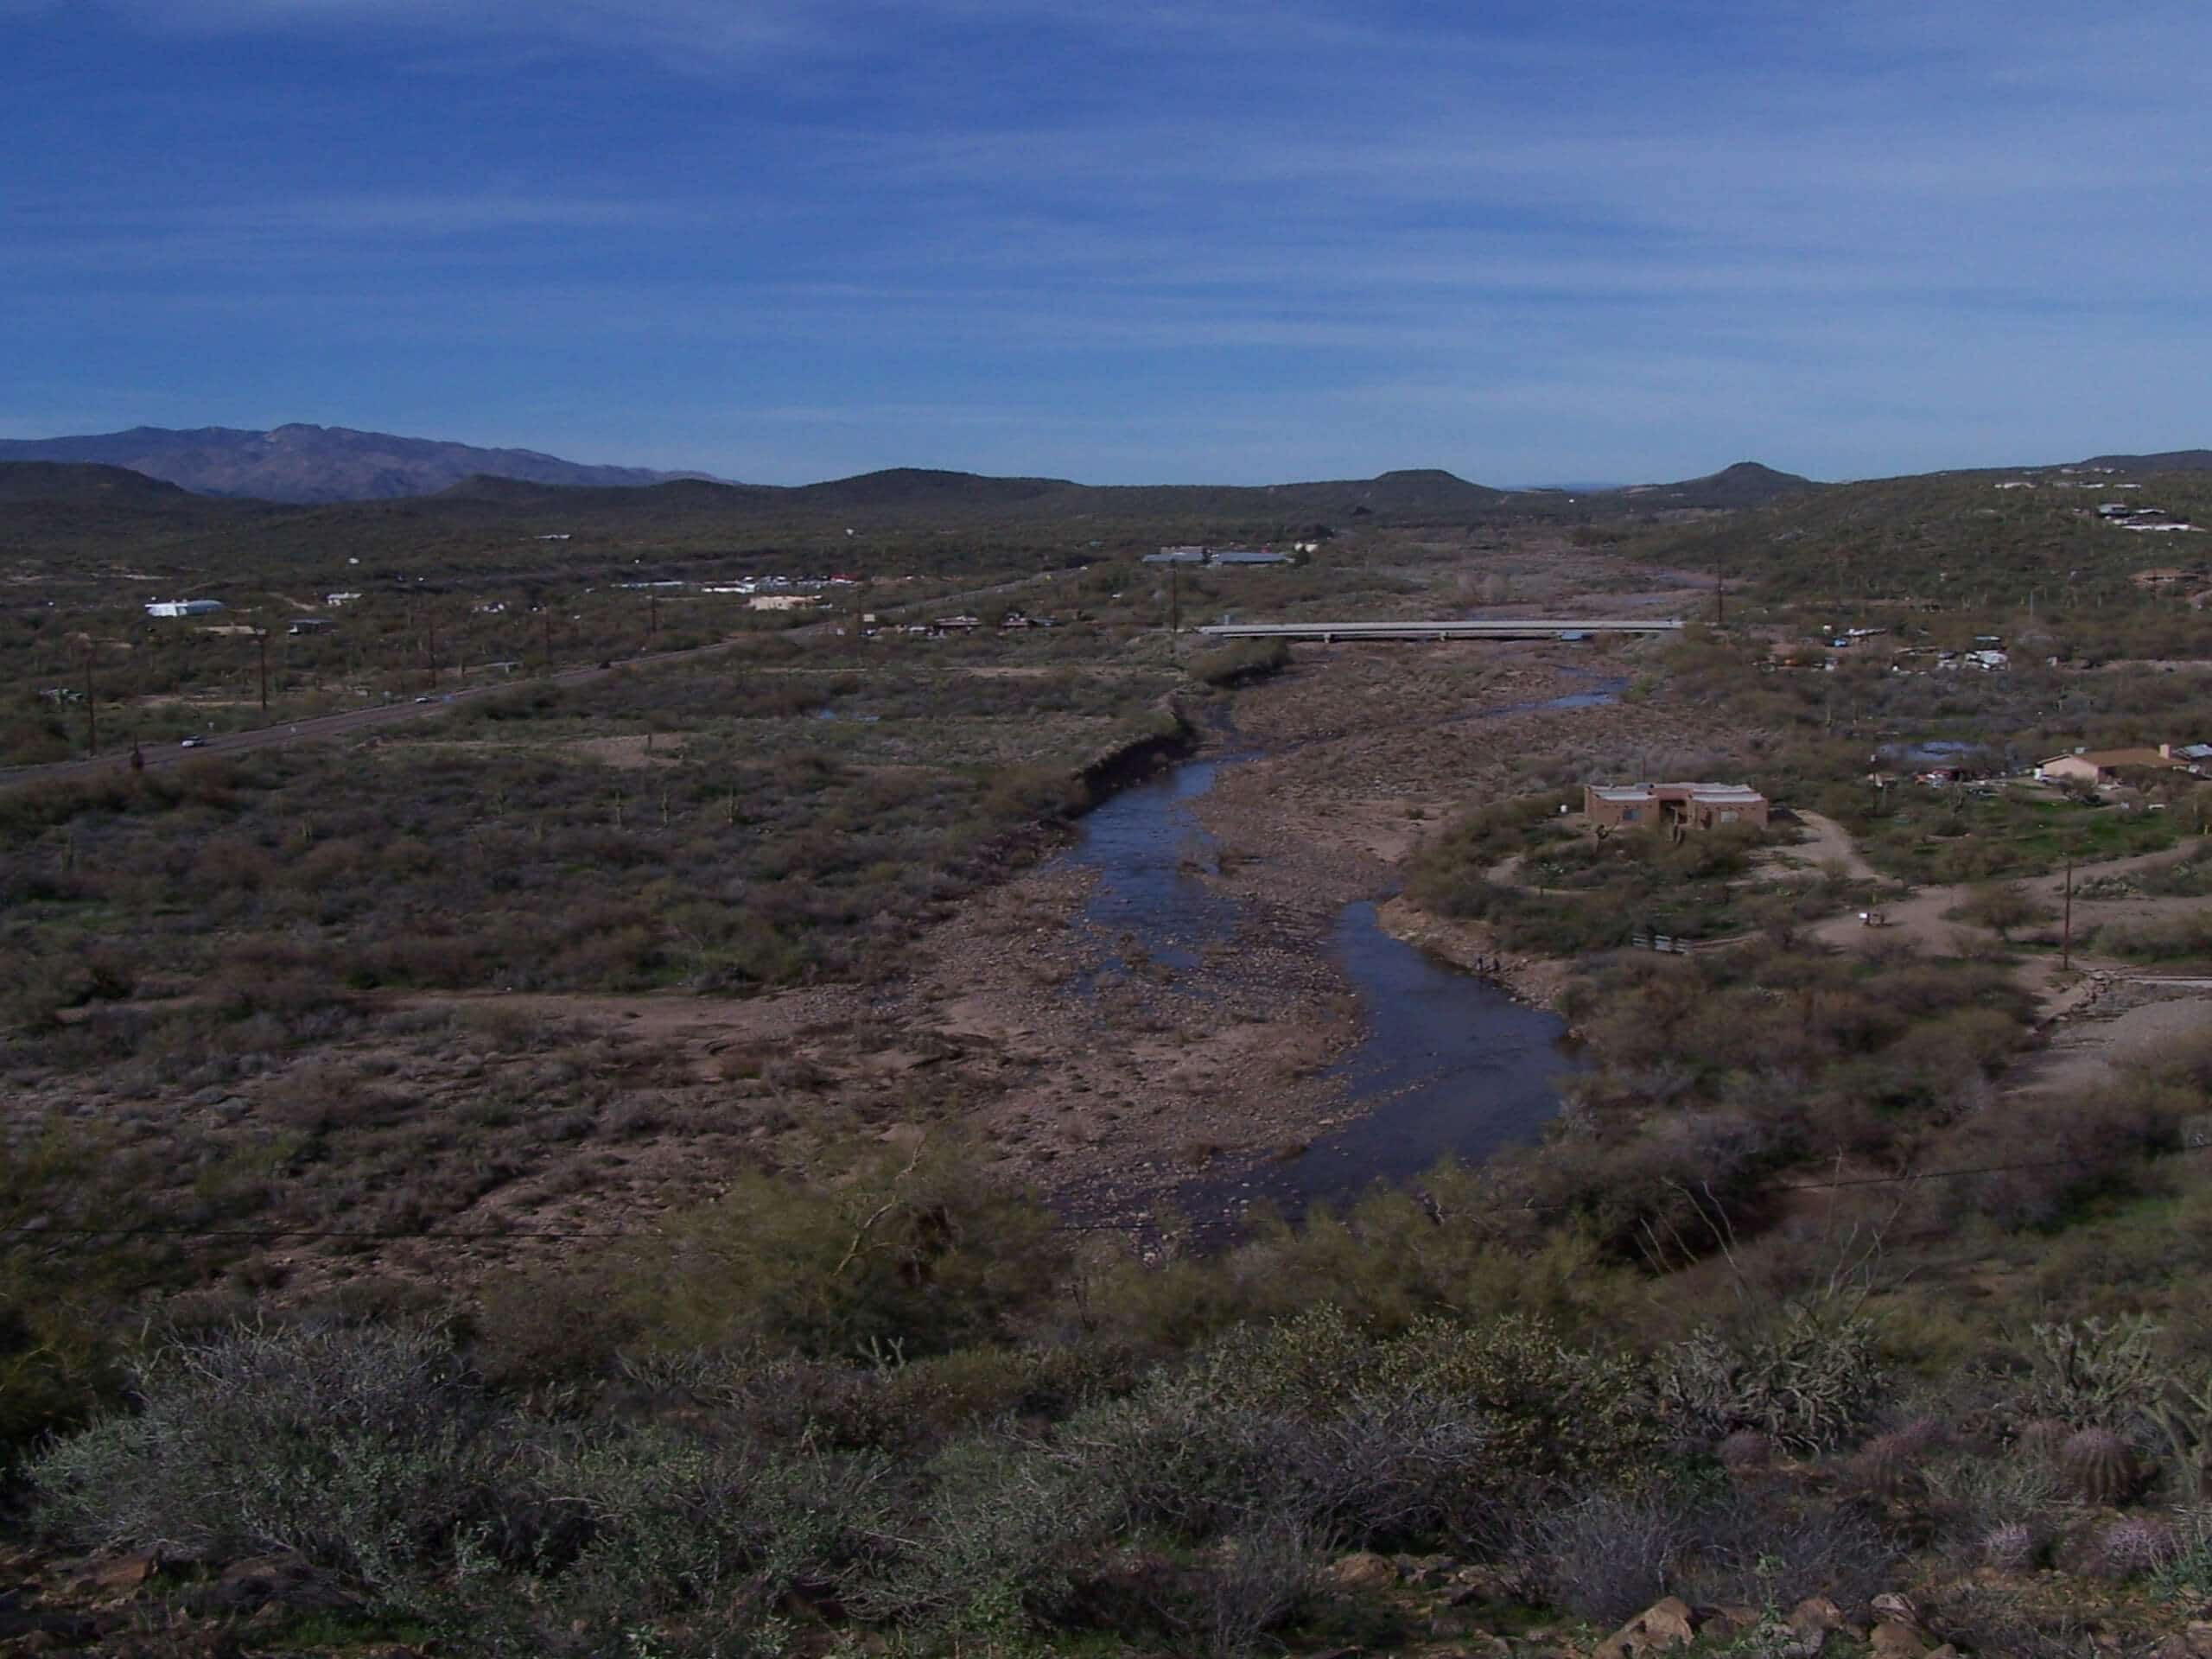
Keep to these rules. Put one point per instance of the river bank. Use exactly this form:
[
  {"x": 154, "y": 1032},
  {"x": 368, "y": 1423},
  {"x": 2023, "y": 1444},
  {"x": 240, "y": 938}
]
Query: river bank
[{"x": 1201, "y": 1003}]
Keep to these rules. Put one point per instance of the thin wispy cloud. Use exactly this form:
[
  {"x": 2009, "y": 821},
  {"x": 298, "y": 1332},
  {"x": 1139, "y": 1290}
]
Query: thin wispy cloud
[{"x": 1174, "y": 239}]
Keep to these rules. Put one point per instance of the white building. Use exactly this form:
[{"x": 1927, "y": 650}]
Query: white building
[
  {"x": 340, "y": 599},
  {"x": 183, "y": 606}
]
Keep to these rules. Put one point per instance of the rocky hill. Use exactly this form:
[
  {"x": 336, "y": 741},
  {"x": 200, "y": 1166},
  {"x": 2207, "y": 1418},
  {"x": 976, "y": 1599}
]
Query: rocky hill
[{"x": 313, "y": 463}]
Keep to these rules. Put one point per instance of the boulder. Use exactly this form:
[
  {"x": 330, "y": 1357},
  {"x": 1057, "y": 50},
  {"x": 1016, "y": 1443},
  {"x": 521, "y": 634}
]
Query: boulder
[
  {"x": 1364, "y": 1570},
  {"x": 120, "y": 1572},
  {"x": 1664, "y": 1625},
  {"x": 1727, "y": 1621},
  {"x": 1895, "y": 1609},
  {"x": 1893, "y": 1640},
  {"x": 1816, "y": 1613},
  {"x": 1425, "y": 1569}
]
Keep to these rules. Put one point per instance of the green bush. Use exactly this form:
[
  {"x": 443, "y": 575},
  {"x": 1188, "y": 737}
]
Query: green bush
[
  {"x": 1241, "y": 663},
  {"x": 909, "y": 1259},
  {"x": 362, "y": 1450},
  {"x": 1442, "y": 1429}
]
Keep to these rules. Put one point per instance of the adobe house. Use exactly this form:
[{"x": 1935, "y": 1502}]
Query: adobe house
[
  {"x": 2095, "y": 767},
  {"x": 1662, "y": 806}
]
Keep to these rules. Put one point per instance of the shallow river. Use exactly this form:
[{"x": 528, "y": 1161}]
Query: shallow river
[{"x": 1447, "y": 1062}]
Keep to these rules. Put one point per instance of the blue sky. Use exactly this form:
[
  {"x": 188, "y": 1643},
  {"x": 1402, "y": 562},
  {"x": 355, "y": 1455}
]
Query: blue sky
[{"x": 1157, "y": 240}]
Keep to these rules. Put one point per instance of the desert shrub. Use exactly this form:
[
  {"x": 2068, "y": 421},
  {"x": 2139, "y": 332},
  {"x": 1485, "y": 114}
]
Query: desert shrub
[
  {"x": 1981, "y": 1617},
  {"x": 671, "y": 1524},
  {"x": 1177, "y": 1457},
  {"x": 57, "y": 1361},
  {"x": 1998, "y": 1510},
  {"x": 2157, "y": 938},
  {"x": 1806, "y": 1376},
  {"x": 1240, "y": 664},
  {"x": 994, "y": 1536},
  {"x": 2002, "y": 907},
  {"x": 1033, "y": 792},
  {"x": 2189, "y": 1570},
  {"x": 924, "y": 1256},
  {"x": 1769, "y": 1549},
  {"x": 1255, "y": 1581},
  {"x": 1442, "y": 1428},
  {"x": 2133, "y": 1547},
  {"x": 1607, "y": 1555},
  {"x": 360, "y": 1449}
]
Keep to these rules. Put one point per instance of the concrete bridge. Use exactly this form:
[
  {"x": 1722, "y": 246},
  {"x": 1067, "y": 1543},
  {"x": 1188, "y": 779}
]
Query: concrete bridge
[{"x": 1494, "y": 629}]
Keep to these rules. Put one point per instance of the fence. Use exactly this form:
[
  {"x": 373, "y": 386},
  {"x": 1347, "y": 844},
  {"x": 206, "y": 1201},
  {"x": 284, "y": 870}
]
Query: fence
[{"x": 1670, "y": 944}]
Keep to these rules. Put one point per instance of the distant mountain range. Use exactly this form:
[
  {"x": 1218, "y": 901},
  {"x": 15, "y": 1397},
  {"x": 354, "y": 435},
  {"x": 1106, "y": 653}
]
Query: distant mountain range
[
  {"x": 311, "y": 465},
  {"x": 2168, "y": 461},
  {"x": 315, "y": 463}
]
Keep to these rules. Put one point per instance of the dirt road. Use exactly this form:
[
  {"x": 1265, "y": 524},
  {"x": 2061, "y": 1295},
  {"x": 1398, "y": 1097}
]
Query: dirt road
[{"x": 1919, "y": 917}]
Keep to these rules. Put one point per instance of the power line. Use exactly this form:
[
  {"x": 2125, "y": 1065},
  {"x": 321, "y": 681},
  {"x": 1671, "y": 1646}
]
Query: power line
[{"x": 315, "y": 1232}]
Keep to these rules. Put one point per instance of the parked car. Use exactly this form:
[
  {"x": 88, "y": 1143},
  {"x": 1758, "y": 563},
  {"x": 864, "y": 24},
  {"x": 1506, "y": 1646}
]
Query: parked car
[{"x": 194, "y": 743}]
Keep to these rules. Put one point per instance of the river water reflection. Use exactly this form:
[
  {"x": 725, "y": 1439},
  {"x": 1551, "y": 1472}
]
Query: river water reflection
[{"x": 1447, "y": 1062}]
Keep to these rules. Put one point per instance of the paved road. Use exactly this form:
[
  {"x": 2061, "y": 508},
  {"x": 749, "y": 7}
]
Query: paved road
[{"x": 354, "y": 722}]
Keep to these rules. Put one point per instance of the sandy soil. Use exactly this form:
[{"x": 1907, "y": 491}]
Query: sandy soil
[
  {"x": 1919, "y": 917},
  {"x": 2130, "y": 1023},
  {"x": 1828, "y": 842}
]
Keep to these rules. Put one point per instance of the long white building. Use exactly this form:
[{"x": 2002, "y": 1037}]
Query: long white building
[{"x": 183, "y": 606}]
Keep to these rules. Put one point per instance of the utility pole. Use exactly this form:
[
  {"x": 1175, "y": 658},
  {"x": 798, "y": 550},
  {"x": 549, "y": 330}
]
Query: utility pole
[
  {"x": 1720, "y": 595},
  {"x": 430, "y": 648},
  {"x": 653, "y": 619},
  {"x": 546, "y": 618},
  {"x": 261, "y": 638},
  {"x": 1175, "y": 598},
  {"x": 2066, "y": 936},
  {"x": 91, "y": 703}
]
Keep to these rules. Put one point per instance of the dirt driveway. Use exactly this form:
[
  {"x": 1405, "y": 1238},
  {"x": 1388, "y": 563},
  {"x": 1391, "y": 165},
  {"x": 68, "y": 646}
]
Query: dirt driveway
[
  {"x": 1919, "y": 917},
  {"x": 1830, "y": 844}
]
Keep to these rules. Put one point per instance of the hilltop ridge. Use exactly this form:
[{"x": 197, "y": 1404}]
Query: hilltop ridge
[{"x": 303, "y": 463}]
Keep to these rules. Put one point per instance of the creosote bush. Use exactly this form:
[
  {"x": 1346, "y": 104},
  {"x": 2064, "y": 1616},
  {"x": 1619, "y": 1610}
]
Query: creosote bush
[{"x": 363, "y": 1450}]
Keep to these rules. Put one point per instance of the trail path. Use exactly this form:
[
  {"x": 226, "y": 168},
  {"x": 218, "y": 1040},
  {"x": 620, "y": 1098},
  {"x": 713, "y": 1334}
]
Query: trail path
[
  {"x": 1831, "y": 844},
  {"x": 2100, "y": 1015},
  {"x": 1919, "y": 917}
]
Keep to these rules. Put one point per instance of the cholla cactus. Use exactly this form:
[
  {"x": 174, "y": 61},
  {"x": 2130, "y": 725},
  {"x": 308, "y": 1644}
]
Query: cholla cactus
[
  {"x": 2137, "y": 1545},
  {"x": 2093, "y": 1372},
  {"x": 2009, "y": 1546},
  {"x": 2099, "y": 1466},
  {"x": 1807, "y": 1376}
]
